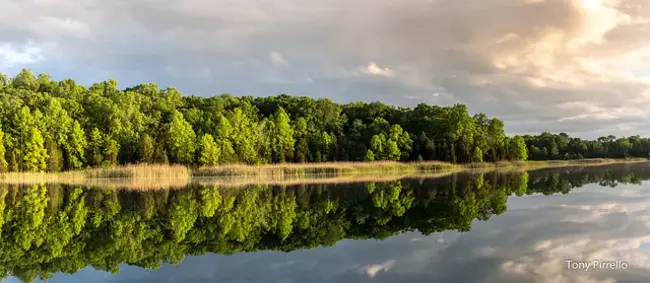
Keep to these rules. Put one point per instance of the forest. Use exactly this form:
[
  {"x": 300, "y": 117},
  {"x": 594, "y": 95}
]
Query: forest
[
  {"x": 48, "y": 125},
  {"x": 57, "y": 228}
]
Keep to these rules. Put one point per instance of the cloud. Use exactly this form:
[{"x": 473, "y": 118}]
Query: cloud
[
  {"x": 373, "y": 69},
  {"x": 519, "y": 60},
  {"x": 277, "y": 59},
  {"x": 373, "y": 269},
  {"x": 11, "y": 55},
  {"x": 51, "y": 26}
]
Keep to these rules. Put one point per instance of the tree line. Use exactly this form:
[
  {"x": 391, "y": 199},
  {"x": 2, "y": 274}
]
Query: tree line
[
  {"x": 55, "y": 228},
  {"x": 48, "y": 125},
  {"x": 547, "y": 146}
]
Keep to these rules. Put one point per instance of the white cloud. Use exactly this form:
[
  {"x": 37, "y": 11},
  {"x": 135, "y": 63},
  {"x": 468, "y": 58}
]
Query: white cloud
[
  {"x": 373, "y": 69},
  {"x": 12, "y": 56},
  {"x": 609, "y": 230},
  {"x": 373, "y": 269},
  {"x": 277, "y": 59}
]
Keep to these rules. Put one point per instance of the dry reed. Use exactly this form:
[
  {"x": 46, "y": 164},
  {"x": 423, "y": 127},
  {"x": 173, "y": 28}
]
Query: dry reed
[
  {"x": 316, "y": 169},
  {"x": 151, "y": 177}
]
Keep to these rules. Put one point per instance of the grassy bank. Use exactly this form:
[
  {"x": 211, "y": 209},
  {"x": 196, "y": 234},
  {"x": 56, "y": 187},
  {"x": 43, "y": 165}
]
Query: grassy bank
[
  {"x": 133, "y": 176},
  {"x": 176, "y": 176}
]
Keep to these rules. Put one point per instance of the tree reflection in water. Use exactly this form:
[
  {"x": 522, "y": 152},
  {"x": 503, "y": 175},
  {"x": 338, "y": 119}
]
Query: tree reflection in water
[{"x": 54, "y": 228}]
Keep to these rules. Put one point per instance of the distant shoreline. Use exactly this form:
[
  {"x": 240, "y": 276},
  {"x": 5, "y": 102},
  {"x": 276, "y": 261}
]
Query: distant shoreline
[{"x": 156, "y": 176}]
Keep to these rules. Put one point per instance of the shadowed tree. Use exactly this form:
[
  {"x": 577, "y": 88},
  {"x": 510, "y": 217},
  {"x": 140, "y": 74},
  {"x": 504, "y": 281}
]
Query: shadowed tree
[
  {"x": 4, "y": 166},
  {"x": 147, "y": 149}
]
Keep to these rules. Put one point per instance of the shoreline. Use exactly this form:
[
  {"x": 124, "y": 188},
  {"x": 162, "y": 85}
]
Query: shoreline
[{"x": 154, "y": 176}]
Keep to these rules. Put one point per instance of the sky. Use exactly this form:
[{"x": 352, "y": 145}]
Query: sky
[{"x": 575, "y": 66}]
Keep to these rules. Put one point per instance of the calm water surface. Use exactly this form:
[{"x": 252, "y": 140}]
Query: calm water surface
[{"x": 489, "y": 227}]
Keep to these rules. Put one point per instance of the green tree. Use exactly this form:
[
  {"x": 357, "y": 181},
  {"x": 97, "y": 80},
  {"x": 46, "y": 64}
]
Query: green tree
[
  {"x": 35, "y": 156},
  {"x": 323, "y": 146},
  {"x": 377, "y": 146},
  {"x": 518, "y": 149},
  {"x": 14, "y": 166},
  {"x": 477, "y": 155},
  {"x": 242, "y": 136},
  {"x": 282, "y": 140},
  {"x": 144, "y": 123},
  {"x": 55, "y": 160},
  {"x": 96, "y": 148},
  {"x": 26, "y": 80},
  {"x": 181, "y": 141},
  {"x": 160, "y": 155},
  {"x": 147, "y": 149},
  {"x": 22, "y": 131},
  {"x": 111, "y": 149},
  {"x": 75, "y": 147},
  {"x": 223, "y": 140},
  {"x": 209, "y": 151},
  {"x": 4, "y": 166},
  {"x": 300, "y": 134}
]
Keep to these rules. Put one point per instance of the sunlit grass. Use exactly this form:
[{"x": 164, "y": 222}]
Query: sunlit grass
[
  {"x": 553, "y": 163},
  {"x": 326, "y": 168},
  {"x": 153, "y": 176}
]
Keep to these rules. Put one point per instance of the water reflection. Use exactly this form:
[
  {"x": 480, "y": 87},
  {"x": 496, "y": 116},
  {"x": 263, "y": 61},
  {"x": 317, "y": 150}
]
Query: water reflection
[{"x": 50, "y": 229}]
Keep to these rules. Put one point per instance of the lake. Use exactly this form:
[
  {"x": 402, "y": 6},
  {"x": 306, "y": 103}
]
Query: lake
[{"x": 547, "y": 225}]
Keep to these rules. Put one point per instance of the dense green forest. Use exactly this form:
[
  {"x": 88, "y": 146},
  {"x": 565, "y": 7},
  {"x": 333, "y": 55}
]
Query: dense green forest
[
  {"x": 48, "y": 125},
  {"x": 548, "y": 146},
  {"x": 54, "y": 228}
]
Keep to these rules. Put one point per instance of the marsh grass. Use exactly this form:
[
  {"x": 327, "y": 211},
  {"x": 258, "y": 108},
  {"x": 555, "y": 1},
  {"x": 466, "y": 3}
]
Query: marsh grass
[
  {"x": 135, "y": 176},
  {"x": 320, "y": 169},
  {"x": 141, "y": 171},
  {"x": 308, "y": 180},
  {"x": 151, "y": 176},
  {"x": 553, "y": 163}
]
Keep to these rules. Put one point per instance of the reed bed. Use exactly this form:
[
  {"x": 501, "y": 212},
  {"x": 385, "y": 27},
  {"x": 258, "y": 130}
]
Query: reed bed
[
  {"x": 275, "y": 171},
  {"x": 242, "y": 182},
  {"x": 151, "y": 177},
  {"x": 141, "y": 171},
  {"x": 554, "y": 163},
  {"x": 134, "y": 176}
]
